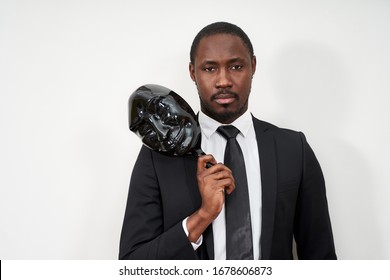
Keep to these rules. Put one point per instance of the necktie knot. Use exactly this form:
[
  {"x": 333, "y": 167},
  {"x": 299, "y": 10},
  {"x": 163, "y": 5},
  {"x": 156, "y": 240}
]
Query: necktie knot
[{"x": 228, "y": 131}]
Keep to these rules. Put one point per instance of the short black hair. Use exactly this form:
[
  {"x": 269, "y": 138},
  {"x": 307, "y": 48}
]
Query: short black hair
[{"x": 220, "y": 28}]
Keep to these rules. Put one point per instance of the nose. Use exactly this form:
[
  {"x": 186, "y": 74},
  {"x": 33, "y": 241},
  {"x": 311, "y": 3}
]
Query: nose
[
  {"x": 160, "y": 129},
  {"x": 223, "y": 79}
]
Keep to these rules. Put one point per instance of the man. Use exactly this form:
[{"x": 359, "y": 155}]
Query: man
[{"x": 176, "y": 205}]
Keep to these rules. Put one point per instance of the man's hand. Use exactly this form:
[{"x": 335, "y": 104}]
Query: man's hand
[{"x": 213, "y": 182}]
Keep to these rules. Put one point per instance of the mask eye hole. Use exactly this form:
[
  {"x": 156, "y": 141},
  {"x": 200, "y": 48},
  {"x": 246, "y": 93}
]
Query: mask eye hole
[
  {"x": 155, "y": 106},
  {"x": 172, "y": 120}
]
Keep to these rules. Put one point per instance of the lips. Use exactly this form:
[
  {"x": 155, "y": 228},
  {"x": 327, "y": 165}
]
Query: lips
[
  {"x": 225, "y": 98},
  {"x": 173, "y": 140}
]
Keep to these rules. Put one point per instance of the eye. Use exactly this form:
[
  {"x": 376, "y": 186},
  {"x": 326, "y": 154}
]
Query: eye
[
  {"x": 171, "y": 119},
  {"x": 209, "y": 69},
  {"x": 236, "y": 67},
  {"x": 159, "y": 108},
  {"x": 153, "y": 105}
]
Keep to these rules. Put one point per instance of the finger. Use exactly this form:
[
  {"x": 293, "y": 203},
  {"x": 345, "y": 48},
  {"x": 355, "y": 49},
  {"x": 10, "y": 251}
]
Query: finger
[
  {"x": 203, "y": 160},
  {"x": 227, "y": 185},
  {"x": 230, "y": 188},
  {"x": 222, "y": 173},
  {"x": 219, "y": 168}
]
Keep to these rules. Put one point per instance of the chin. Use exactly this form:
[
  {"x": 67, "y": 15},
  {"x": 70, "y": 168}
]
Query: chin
[
  {"x": 222, "y": 114},
  {"x": 226, "y": 116},
  {"x": 185, "y": 146}
]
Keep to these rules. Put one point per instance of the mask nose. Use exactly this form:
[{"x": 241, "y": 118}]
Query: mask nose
[{"x": 161, "y": 129}]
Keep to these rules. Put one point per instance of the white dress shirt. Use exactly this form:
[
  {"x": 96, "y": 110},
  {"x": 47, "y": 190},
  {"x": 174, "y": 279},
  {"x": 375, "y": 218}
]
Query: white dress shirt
[{"x": 213, "y": 143}]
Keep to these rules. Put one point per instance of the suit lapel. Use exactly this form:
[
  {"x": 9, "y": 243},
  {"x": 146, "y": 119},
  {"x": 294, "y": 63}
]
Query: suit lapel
[
  {"x": 267, "y": 156},
  {"x": 191, "y": 183}
]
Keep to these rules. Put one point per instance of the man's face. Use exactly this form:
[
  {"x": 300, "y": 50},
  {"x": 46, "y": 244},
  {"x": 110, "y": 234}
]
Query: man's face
[
  {"x": 163, "y": 124},
  {"x": 223, "y": 71}
]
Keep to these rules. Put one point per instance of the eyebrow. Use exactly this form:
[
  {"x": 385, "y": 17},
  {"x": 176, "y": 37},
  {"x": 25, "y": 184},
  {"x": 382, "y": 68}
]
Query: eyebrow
[
  {"x": 236, "y": 59},
  {"x": 231, "y": 60}
]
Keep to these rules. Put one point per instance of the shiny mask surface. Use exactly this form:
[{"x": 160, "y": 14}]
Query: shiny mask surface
[{"x": 163, "y": 120}]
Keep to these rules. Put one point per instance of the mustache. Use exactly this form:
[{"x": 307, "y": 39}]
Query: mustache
[{"x": 224, "y": 93}]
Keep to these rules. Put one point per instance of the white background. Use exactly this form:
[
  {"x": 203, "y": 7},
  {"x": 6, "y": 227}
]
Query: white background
[{"x": 67, "y": 69}]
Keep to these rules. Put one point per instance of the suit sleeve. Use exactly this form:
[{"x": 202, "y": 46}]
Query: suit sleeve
[
  {"x": 144, "y": 235},
  {"x": 313, "y": 232}
]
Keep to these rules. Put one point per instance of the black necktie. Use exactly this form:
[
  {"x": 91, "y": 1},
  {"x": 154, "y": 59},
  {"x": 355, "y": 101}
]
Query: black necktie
[{"x": 238, "y": 219}]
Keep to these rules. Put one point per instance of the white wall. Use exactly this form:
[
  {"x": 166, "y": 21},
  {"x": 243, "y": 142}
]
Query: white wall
[{"x": 67, "y": 69}]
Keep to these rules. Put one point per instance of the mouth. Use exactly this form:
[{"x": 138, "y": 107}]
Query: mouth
[
  {"x": 225, "y": 98},
  {"x": 173, "y": 142},
  {"x": 149, "y": 137}
]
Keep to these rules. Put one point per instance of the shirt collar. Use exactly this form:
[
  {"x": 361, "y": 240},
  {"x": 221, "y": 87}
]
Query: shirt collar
[{"x": 210, "y": 126}]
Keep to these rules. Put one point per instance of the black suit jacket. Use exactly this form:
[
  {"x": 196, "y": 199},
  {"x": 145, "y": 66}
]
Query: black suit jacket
[{"x": 164, "y": 191}]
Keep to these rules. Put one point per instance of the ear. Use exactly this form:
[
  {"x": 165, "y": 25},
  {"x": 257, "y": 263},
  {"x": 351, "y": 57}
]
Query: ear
[
  {"x": 192, "y": 71},
  {"x": 254, "y": 62}
]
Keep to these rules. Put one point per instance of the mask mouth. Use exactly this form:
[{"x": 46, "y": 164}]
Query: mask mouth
[
  {"x": 149, "y": 138},
  {"x": 175, "y": 142}
]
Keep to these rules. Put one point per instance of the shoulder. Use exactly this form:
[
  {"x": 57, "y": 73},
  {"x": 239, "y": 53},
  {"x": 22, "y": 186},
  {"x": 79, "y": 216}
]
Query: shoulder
[
  {"x": 289, "y": 146},
  {"x": 262, "y": 127},
  {"x": 162, "y": 165}
]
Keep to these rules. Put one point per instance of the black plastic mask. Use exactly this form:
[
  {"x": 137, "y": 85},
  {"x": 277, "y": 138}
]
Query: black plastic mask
[{"x": 164, "y": 121}]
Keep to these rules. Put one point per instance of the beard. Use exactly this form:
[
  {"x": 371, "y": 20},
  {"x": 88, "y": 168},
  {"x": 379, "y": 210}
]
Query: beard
[{"x": 225, "y": 116}]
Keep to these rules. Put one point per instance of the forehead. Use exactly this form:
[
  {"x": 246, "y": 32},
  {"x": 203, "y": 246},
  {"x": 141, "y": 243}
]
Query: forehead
[{"x": 220, "y": 47}]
